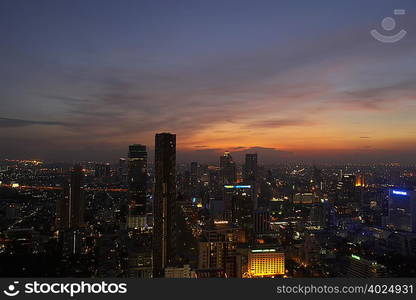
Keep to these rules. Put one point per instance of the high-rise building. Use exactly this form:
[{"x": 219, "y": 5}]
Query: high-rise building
[
  {"x": 228, "y": 170},
  {"x": 261, "y": 221},
  {"x": 239, "y": 207},
  {"x": 194, "y": 177},
  {"x": 250, "y": 168},
  {"x": 359, "y": 267},
  {"x": 76, "y": 198},
  {"x": 217, "y": 251},
  {"x": 164, "y": 202},
  {"x": 265, "y": 263},
  {"x": 137, "y": 180},
  {"x": 402, "y": 210},
  {"x": 250, "y": 175},
  {"x": 122, "y": 170}
]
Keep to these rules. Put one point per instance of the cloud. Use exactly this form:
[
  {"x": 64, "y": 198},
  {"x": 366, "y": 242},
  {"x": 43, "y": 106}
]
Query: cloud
[
  {"x": 11, "y": 123},
  {"x": 278, "y": 123}
]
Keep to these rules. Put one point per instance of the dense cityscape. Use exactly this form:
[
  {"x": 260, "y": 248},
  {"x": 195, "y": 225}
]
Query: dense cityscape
[{"x": 148, "y": 219}]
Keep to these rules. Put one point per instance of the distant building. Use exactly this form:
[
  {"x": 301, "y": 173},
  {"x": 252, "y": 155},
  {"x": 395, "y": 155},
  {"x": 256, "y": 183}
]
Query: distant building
[
  {"x": 305, "y": 198},
  {"x": 180, "y": 272}
]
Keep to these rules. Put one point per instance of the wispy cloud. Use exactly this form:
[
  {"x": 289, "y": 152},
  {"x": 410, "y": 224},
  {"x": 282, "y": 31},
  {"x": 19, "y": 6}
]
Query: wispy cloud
[{"x": 10, "y": 123}]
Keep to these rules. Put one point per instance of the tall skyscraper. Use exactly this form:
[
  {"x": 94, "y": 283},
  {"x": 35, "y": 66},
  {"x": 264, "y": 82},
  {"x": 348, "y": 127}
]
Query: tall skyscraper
[
  {"x": 137, "y": 179},
  {"x": 164, "y": 202},
  {"x": 228, "y": 171},
  {"x": 250, "y": 175},
  {"x": 76, "y": 199}
]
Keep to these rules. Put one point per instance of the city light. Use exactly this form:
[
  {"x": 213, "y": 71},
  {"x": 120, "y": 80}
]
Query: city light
[
  {"x": 401, "y": 193},
  {"x": 237, "y": 186}
]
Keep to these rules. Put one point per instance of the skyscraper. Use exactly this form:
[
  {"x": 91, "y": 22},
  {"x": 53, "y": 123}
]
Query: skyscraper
[
  {"x": 250, "y": 168},
  {"x": 76, "y": 199},
  {"x": 164, "y": 202},
  {"x": 402, "y": 210},
  {"x": 228, "y": 171},
  {"x": 250, "y": 175},
  {"x": 137, "y": 179}
]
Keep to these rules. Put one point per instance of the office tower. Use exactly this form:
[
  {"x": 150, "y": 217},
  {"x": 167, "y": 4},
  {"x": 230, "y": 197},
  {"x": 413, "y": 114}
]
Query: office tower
[
  {"x": 265, "y": 263},
  {"x": 239, "y": 206},
  {"x": 359, "y": 267},
  {"x": 228, "y": 171},
  {"x": 346, "y": 188},
  {"x": 250, "y": 175},
  {"x": 137, "y": 180},
  {"x": 62, "y": 210},
  {"x": 217, "y": 251},
  {"x": 402, "y": 210},
  {"x": 250, "y": 168},
  {"x": 261, "y": 221},
  {"x": 70, "y": 208},
  {"x": 76, "y": 198},
  {"x": 122, "y": 171},
  {"x": 319, "y": 216},
  {"x": 164, "y": 202}
]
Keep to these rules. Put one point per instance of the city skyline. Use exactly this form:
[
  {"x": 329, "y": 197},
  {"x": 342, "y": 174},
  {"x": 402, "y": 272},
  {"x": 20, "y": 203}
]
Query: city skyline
[{"x": 83, "y": 80}]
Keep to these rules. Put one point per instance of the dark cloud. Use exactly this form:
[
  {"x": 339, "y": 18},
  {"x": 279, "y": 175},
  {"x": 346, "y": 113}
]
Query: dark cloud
[{"x": 10, "y": 123}]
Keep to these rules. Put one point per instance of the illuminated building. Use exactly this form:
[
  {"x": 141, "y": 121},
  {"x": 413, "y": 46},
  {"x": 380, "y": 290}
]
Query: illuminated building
[
  {"x": 402, "y": 210},
  {"x": 360, "y": 180},
  {"x": 266, "y": 263},
  {"x": 362, "y": 268},
  {"x": 228, "y": 171},
  {"x": 179, "y": 272},
  {"x": 305, "y": 198},
  {"x": 164, "y": 202}
]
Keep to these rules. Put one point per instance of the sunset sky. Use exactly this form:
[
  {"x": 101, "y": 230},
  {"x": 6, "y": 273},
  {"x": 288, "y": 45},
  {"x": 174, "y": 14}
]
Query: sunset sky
[{"x": 291, "y": 80}]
